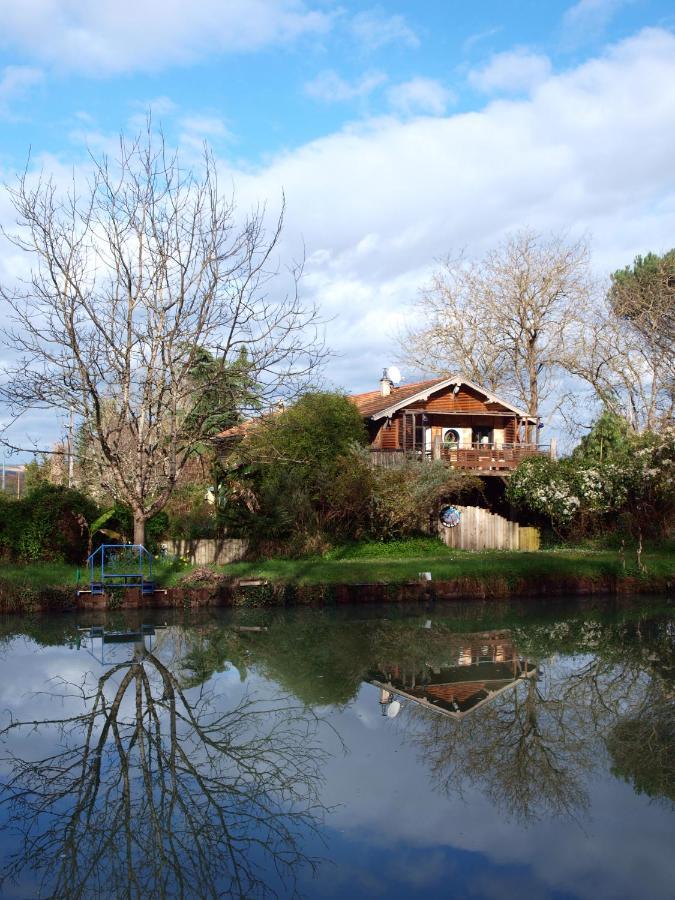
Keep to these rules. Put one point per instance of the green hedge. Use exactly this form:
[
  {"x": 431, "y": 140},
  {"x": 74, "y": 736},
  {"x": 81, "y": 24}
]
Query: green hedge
[{"x": 44, "y": 525}]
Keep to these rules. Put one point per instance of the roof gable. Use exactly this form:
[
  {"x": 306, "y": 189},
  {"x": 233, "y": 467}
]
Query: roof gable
[{"x": 373, "y": 405}]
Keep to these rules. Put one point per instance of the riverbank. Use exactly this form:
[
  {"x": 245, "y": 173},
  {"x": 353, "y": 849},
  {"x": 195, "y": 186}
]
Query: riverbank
[{"x": 373, "y": 573}]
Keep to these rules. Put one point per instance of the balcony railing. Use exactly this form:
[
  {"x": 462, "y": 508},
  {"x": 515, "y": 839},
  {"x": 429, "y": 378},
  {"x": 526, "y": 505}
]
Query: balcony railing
[{"x": 476, "y": 458}]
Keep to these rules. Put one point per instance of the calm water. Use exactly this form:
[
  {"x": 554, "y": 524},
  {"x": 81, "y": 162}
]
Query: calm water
[{"x": 430, "y": 751}]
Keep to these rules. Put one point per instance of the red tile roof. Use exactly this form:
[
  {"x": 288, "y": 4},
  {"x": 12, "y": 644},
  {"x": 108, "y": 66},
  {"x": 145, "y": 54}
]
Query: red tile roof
[{"x": 372, "y": 402}]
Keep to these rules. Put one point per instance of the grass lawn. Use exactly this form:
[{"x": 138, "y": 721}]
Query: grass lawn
[
  {"x": 51, "y": 574},
  {"x": 383, "y": 563},
  {"x": 397, "y": 561}
]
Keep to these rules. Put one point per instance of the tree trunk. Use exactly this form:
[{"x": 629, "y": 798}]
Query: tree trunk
[{"x": 139, "y": 528}]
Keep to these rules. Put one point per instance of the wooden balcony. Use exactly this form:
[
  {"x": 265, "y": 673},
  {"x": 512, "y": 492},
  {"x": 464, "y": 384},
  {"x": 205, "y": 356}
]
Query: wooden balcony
[{"x": 484, "y": 459}]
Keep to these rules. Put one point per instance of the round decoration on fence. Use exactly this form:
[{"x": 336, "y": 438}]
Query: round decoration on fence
[{"x": 450, "y": 516}]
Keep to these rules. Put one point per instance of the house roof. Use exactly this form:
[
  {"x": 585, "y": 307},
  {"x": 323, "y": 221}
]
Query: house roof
[
  {"x": 373, "y": 405},
  {"x": 238, "y": 430}
]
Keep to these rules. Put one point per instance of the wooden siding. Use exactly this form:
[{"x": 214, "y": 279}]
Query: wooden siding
[
  {"x": 465, "y": 401},
  {"x": 390, "y": 435}
]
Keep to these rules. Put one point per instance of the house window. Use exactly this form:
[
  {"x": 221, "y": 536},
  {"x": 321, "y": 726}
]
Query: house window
[{"x": 450, "y": 439}]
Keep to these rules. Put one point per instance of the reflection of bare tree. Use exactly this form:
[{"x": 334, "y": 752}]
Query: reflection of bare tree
[
  {"x": 521, "y": 750},
  {"x": 153, "y": 794},
  {"x": 531, "y": 749}
]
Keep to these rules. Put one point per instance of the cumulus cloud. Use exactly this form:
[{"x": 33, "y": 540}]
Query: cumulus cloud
[
  {"x": 420, "y": 95},
  {"x": 512, "y": 72},
  {"x": 590, "y": 151},
  {"x": 113, "y": 36},
  {"x": 375, "y": 29},
  {"x": 331, "y": 88},
  {"x": 15, "y": 82},
  {"x": 375, "y": 204}
]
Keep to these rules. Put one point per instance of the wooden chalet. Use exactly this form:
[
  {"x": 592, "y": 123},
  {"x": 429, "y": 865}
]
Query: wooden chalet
[{"x": 449, "y": 419}]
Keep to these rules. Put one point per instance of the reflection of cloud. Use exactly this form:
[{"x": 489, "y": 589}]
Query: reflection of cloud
[{"x": 592, "y": 859}]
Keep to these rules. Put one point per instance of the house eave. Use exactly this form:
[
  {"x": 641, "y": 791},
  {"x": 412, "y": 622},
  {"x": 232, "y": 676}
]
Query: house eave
[{"x": 439, "y": 386}]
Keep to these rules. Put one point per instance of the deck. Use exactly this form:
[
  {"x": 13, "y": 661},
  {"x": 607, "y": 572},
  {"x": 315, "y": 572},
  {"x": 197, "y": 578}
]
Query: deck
[{"x": 486, "y": 459}]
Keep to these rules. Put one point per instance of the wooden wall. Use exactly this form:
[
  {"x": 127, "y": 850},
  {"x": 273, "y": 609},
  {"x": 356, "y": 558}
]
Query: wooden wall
[
  {"x": 480, "y": 529},
  {"x": 445, "y": 401},
  {"x": 204, "y": 552}
]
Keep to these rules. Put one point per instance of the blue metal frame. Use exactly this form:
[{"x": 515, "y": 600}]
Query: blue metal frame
[{"x": 130, "y": 579}]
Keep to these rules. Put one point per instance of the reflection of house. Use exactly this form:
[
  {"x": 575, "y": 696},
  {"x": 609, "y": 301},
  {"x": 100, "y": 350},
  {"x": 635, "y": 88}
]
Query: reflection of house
[
  {"x": 477, "y": 668},
  {"x": 448, "y": 418}
]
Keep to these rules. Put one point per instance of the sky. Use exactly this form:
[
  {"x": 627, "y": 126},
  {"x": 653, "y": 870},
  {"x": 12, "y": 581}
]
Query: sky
[{"x": 398, "y": 132}]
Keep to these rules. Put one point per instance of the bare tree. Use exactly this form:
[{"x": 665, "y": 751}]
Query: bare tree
[
  {"x": 628, "y": 375},
  {"x": 505, "y": 319},
  {"x": 625, "y": 351},
  {"x": 134, "y": 278}
]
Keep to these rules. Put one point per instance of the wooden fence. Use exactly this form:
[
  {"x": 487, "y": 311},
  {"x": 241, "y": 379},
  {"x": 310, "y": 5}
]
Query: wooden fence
[
  {"x": 208, "y": 552},
  {"x": 480, "y": 529}
]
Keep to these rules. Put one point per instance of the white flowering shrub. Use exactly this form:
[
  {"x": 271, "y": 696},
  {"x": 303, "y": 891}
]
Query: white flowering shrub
[{"x": 604, "y": 481}]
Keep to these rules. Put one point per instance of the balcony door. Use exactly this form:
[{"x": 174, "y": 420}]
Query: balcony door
[{"x": 482, "y": 436}]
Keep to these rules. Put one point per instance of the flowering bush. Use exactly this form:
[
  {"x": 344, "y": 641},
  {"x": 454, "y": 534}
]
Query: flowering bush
[{"x": 606, "y": 479}]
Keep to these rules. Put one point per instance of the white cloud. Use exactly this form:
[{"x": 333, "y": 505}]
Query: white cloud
[
  {"x": 512, "y": 72},
  {"x": 590, "y": 151},
  {"x": 331, "y": 88},
  {"x": 478, "y": 37},
  {"x": 374, "y": 29},
  {"x": 15, "y": 82},
  {"x": 420, "y": 95},
  {"x": 591, "y": 15},
  {"x": 112, "y": 36},
  {"x": 378, "y": 202}
]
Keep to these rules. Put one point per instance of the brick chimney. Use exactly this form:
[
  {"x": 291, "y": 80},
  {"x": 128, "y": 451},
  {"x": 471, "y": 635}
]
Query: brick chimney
[{"x": 385, "y": 384}]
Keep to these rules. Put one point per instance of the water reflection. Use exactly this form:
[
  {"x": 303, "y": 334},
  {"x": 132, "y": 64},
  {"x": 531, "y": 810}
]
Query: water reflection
[
  {"x": 159, "y": 775},
  {"x": 147, "y": 791},
  {"x": 473, "y": 671}
]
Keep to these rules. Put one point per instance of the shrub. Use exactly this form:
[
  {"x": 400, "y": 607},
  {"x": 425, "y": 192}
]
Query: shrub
[
  {"x": 44, "y": 524},
  {"x": 613, "y": 479}
]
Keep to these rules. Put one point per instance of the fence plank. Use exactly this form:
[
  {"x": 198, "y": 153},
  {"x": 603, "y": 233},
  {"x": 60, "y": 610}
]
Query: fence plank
[{"x": 480, "y": 529}]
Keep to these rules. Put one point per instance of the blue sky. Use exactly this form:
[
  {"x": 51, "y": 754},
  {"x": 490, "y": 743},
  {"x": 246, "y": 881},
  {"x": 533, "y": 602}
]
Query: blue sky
[{"x": 398, "y": 131}]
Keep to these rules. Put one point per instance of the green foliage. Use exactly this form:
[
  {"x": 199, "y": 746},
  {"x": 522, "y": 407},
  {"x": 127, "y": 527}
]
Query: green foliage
[
  {"x": 401, "y": 548},
  {"x": 313, "y": 481},
  {"x": 36, "y": 474},
  {"x": 614, "y": 478},
  {"x": 190, "y": 516},
  {"x": 405, "y": 498},
  {"x": 608, "y": 440},
  {"x": 221, "y": 388},
  {"x": 312, "y": 433},
  {"x": 155, "y": 528},
  {"x": 635, "y": 288},
  {"x": 44, "y": 525},
  {"x": 292, "y": 464}
]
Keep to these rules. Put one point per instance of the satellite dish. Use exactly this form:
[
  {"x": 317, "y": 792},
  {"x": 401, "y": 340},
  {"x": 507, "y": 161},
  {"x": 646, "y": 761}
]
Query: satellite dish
[
  {"x": 393, "y": 709},
  {"x": 393, "y": 374}
]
